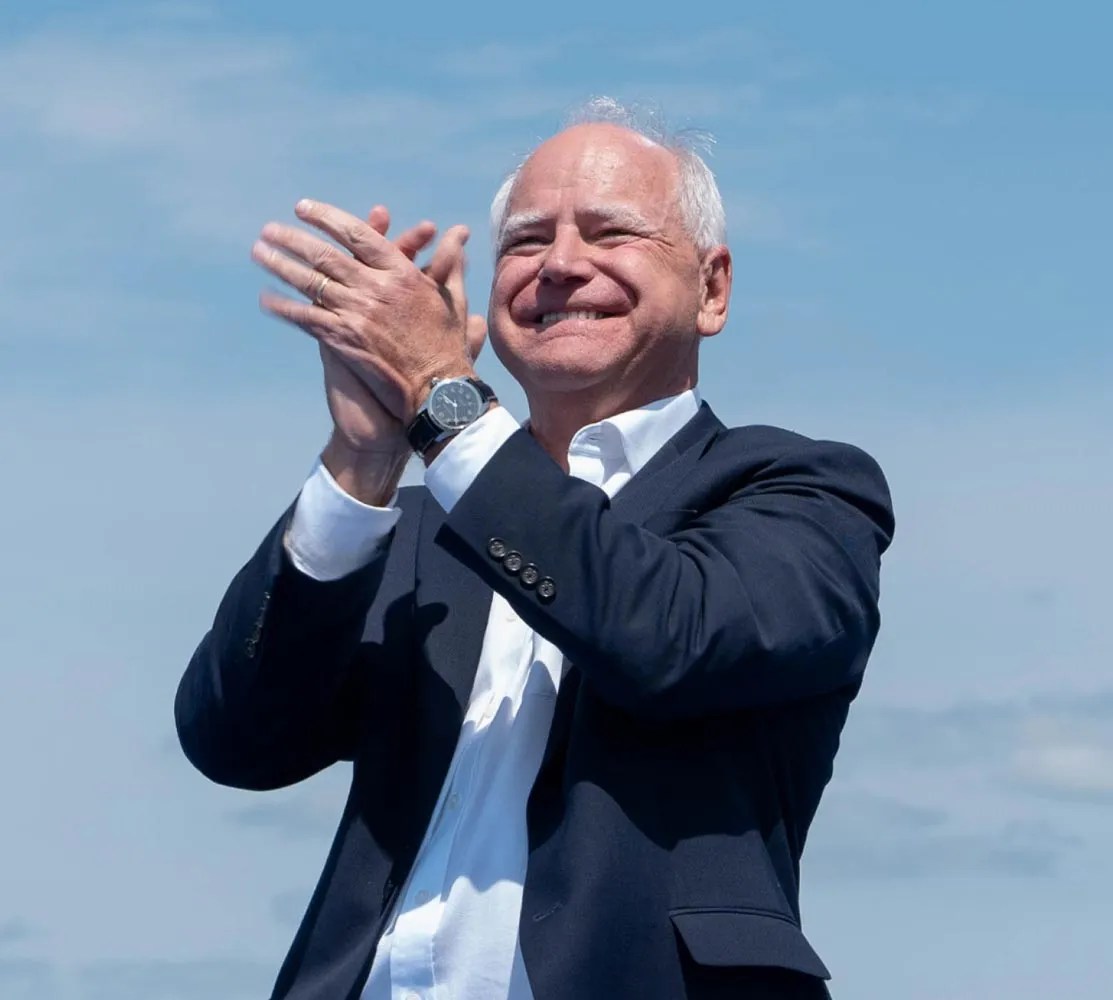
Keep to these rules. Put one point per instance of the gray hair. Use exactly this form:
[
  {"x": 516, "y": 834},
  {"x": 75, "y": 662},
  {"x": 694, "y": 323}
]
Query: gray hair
[{"x": 698, "y": 197}]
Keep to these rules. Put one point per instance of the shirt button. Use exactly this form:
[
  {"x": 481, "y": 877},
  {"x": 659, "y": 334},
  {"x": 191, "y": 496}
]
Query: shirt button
[
  {"x": 453, "y": 801},
  {"x": 413, "y": 996},
  {"x": 422, "y": 898}
]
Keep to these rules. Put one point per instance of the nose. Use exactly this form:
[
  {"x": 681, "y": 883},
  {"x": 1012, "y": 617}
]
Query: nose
[{"x": 565, "y": 259}]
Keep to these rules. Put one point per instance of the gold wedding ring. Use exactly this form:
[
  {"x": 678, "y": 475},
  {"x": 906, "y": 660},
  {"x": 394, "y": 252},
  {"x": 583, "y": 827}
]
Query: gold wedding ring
[{"x": 319, "y": 293}]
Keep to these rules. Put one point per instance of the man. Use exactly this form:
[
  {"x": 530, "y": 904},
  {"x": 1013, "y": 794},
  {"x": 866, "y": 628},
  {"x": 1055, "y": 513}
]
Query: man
[{"x": 592, "y": 676}]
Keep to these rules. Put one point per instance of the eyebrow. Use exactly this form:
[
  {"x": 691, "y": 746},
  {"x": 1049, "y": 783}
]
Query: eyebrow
[
  {"x": 622, "y": 215},
  {"x": 516, "y": 223}
]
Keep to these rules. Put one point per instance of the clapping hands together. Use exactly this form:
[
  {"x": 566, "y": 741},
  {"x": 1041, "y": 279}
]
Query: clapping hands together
[{"x": 385, "y": 327}]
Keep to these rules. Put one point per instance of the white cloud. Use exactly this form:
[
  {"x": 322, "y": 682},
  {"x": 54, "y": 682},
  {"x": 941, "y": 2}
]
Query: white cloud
[
  {"x": 996, "y": 586},
  {"x": 139, "y": 160},
  {"x": 208, "y": 126},
  {"x": 1067, "y": 756},
  {"x": 969, "y": 788},
  {"x": 863, "y": 836},
  {"x": 168, "y": 137}
]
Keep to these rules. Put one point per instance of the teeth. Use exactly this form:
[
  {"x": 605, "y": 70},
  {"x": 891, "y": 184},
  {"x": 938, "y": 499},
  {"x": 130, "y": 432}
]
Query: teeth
[{"x": 548, "y": 319}]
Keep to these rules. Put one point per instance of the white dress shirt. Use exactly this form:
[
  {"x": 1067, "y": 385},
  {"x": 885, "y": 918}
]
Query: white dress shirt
[{"x": 453, "y": 932}]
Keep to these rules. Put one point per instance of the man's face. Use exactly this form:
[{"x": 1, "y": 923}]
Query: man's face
[{"x": 596, "y": 280}]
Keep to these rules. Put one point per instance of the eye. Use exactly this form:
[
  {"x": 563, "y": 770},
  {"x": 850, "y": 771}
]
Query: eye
[
  {"x": 524, "y": 243},
  {"x": 613, "y": 233}
]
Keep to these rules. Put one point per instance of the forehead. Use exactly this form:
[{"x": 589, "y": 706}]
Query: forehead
[{"x": 593, "y": 165}]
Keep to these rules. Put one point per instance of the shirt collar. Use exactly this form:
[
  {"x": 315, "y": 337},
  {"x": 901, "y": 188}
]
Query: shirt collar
[{"x": 637, "y": 435}]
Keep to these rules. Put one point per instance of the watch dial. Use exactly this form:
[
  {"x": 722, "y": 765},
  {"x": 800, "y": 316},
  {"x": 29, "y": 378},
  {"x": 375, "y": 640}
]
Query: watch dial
[{"x": 454, "y": 405}]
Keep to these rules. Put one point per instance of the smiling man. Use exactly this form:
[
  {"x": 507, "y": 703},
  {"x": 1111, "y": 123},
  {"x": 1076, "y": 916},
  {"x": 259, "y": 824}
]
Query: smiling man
[{"x": 592, "y": 674}]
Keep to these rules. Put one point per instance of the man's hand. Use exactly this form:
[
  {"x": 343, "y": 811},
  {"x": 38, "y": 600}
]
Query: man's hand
[
  {"x": 395, "y": 326},
  {"x": 368, "y": 449}
]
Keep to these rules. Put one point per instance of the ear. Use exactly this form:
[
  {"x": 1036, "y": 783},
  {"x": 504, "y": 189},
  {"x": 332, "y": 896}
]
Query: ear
[{"x": 716, "y": 273}]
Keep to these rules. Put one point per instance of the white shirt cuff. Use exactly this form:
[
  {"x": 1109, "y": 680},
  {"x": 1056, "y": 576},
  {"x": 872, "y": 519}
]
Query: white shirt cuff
[
  {"x": 332, "y": 533},
  {"x": 465, "y": 455}
]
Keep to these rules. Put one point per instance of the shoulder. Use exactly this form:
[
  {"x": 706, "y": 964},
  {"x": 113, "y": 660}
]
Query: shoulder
[
  {"x": 763, "y": 445},
  {"x": 760, "y": 446},
  {"x": 760, "y": 458}
]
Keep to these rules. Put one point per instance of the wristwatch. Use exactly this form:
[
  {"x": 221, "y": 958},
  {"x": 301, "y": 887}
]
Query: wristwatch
[{"x": 452, "y": 405}]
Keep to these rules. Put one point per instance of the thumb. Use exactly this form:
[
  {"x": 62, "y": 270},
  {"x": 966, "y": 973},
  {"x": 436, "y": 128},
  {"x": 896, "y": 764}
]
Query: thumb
[
  {"x": 447, "y": 265},
  {"x": 475, "y": 335}
]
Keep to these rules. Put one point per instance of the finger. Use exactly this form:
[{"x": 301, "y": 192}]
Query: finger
[
  {"x": 448, "y": 255},
  {"x": 313, "y": 251},
  {"x": 313, "y": 284},
  {"x": 312, "y": 319},
  {"x": 379, "y": 219},
  {"x": 454, "y": 280},
  {"x": 416, "y": 238},
  {"x": 412, "y": 241},
  {"x": 366, "y": 245},
  {"x": 320, "y": 325},
  {"x": 476, "y": 335}
]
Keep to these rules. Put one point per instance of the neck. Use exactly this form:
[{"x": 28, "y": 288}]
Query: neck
[{"x": 554, "y": 419}]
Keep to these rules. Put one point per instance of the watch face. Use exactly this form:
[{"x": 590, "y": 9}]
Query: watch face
[{"x": 454, "y": 405}]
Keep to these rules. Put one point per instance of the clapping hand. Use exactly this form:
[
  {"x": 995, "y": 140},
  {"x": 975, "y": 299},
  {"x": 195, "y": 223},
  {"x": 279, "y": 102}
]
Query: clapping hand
[{"x": 385, "y": 328}]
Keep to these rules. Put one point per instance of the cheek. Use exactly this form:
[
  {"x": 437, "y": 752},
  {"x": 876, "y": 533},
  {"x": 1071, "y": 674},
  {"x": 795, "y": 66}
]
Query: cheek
[
  {"x": 509, "y": 280},
  {"x": 516, "y": 351}
]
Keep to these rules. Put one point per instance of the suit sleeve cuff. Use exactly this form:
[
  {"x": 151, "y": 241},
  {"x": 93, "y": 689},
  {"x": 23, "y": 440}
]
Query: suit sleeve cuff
[
  {"x": 463, "y": 458},
  {"x": 331, "y": 533}
]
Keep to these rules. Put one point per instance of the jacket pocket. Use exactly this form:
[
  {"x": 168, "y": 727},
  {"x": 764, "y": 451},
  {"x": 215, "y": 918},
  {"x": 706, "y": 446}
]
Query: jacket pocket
[{"x": 721, "y": 937}]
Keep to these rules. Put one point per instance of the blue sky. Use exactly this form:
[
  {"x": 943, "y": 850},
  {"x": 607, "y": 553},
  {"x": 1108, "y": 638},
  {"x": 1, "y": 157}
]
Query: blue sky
[{"x": 919, "y": 199}]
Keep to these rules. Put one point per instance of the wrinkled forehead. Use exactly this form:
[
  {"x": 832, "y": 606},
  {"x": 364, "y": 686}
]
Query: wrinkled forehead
[{"x": 596, "y": 164}]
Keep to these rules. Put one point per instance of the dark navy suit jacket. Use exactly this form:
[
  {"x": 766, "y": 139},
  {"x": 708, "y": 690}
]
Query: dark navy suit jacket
[{"x": 717, "y": 615}]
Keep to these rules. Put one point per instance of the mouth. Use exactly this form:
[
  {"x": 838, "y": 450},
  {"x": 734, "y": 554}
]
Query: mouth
[{"x": 548, "y": 319}]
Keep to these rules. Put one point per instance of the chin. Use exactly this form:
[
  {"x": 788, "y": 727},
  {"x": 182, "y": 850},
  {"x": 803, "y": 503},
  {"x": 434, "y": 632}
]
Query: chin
[
  {"x": 561, "y": 378},
  {"x": 563, "y": 364}
]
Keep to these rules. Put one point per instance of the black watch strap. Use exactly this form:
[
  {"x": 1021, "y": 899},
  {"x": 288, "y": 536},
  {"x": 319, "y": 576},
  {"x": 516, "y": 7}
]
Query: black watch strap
[{"x": 424, "y": 432}]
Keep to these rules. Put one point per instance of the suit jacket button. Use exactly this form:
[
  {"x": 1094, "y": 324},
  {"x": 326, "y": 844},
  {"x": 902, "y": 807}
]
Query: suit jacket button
[
  {"x": 497, "y": 548},
  {"x": 546, "y": 589},
  {"x": 529, "y": 576},
  {"x": 512, "y": 562}
]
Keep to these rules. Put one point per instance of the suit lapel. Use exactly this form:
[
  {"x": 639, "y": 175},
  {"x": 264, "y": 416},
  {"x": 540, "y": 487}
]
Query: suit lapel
[
  {"x": 649, "y": 490},
  {"x": 453, "y": 605},
  {"x": 453, "y": 639},
  {"x": 638, "y": 500},
  {"x": 451, "y": 610}
]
